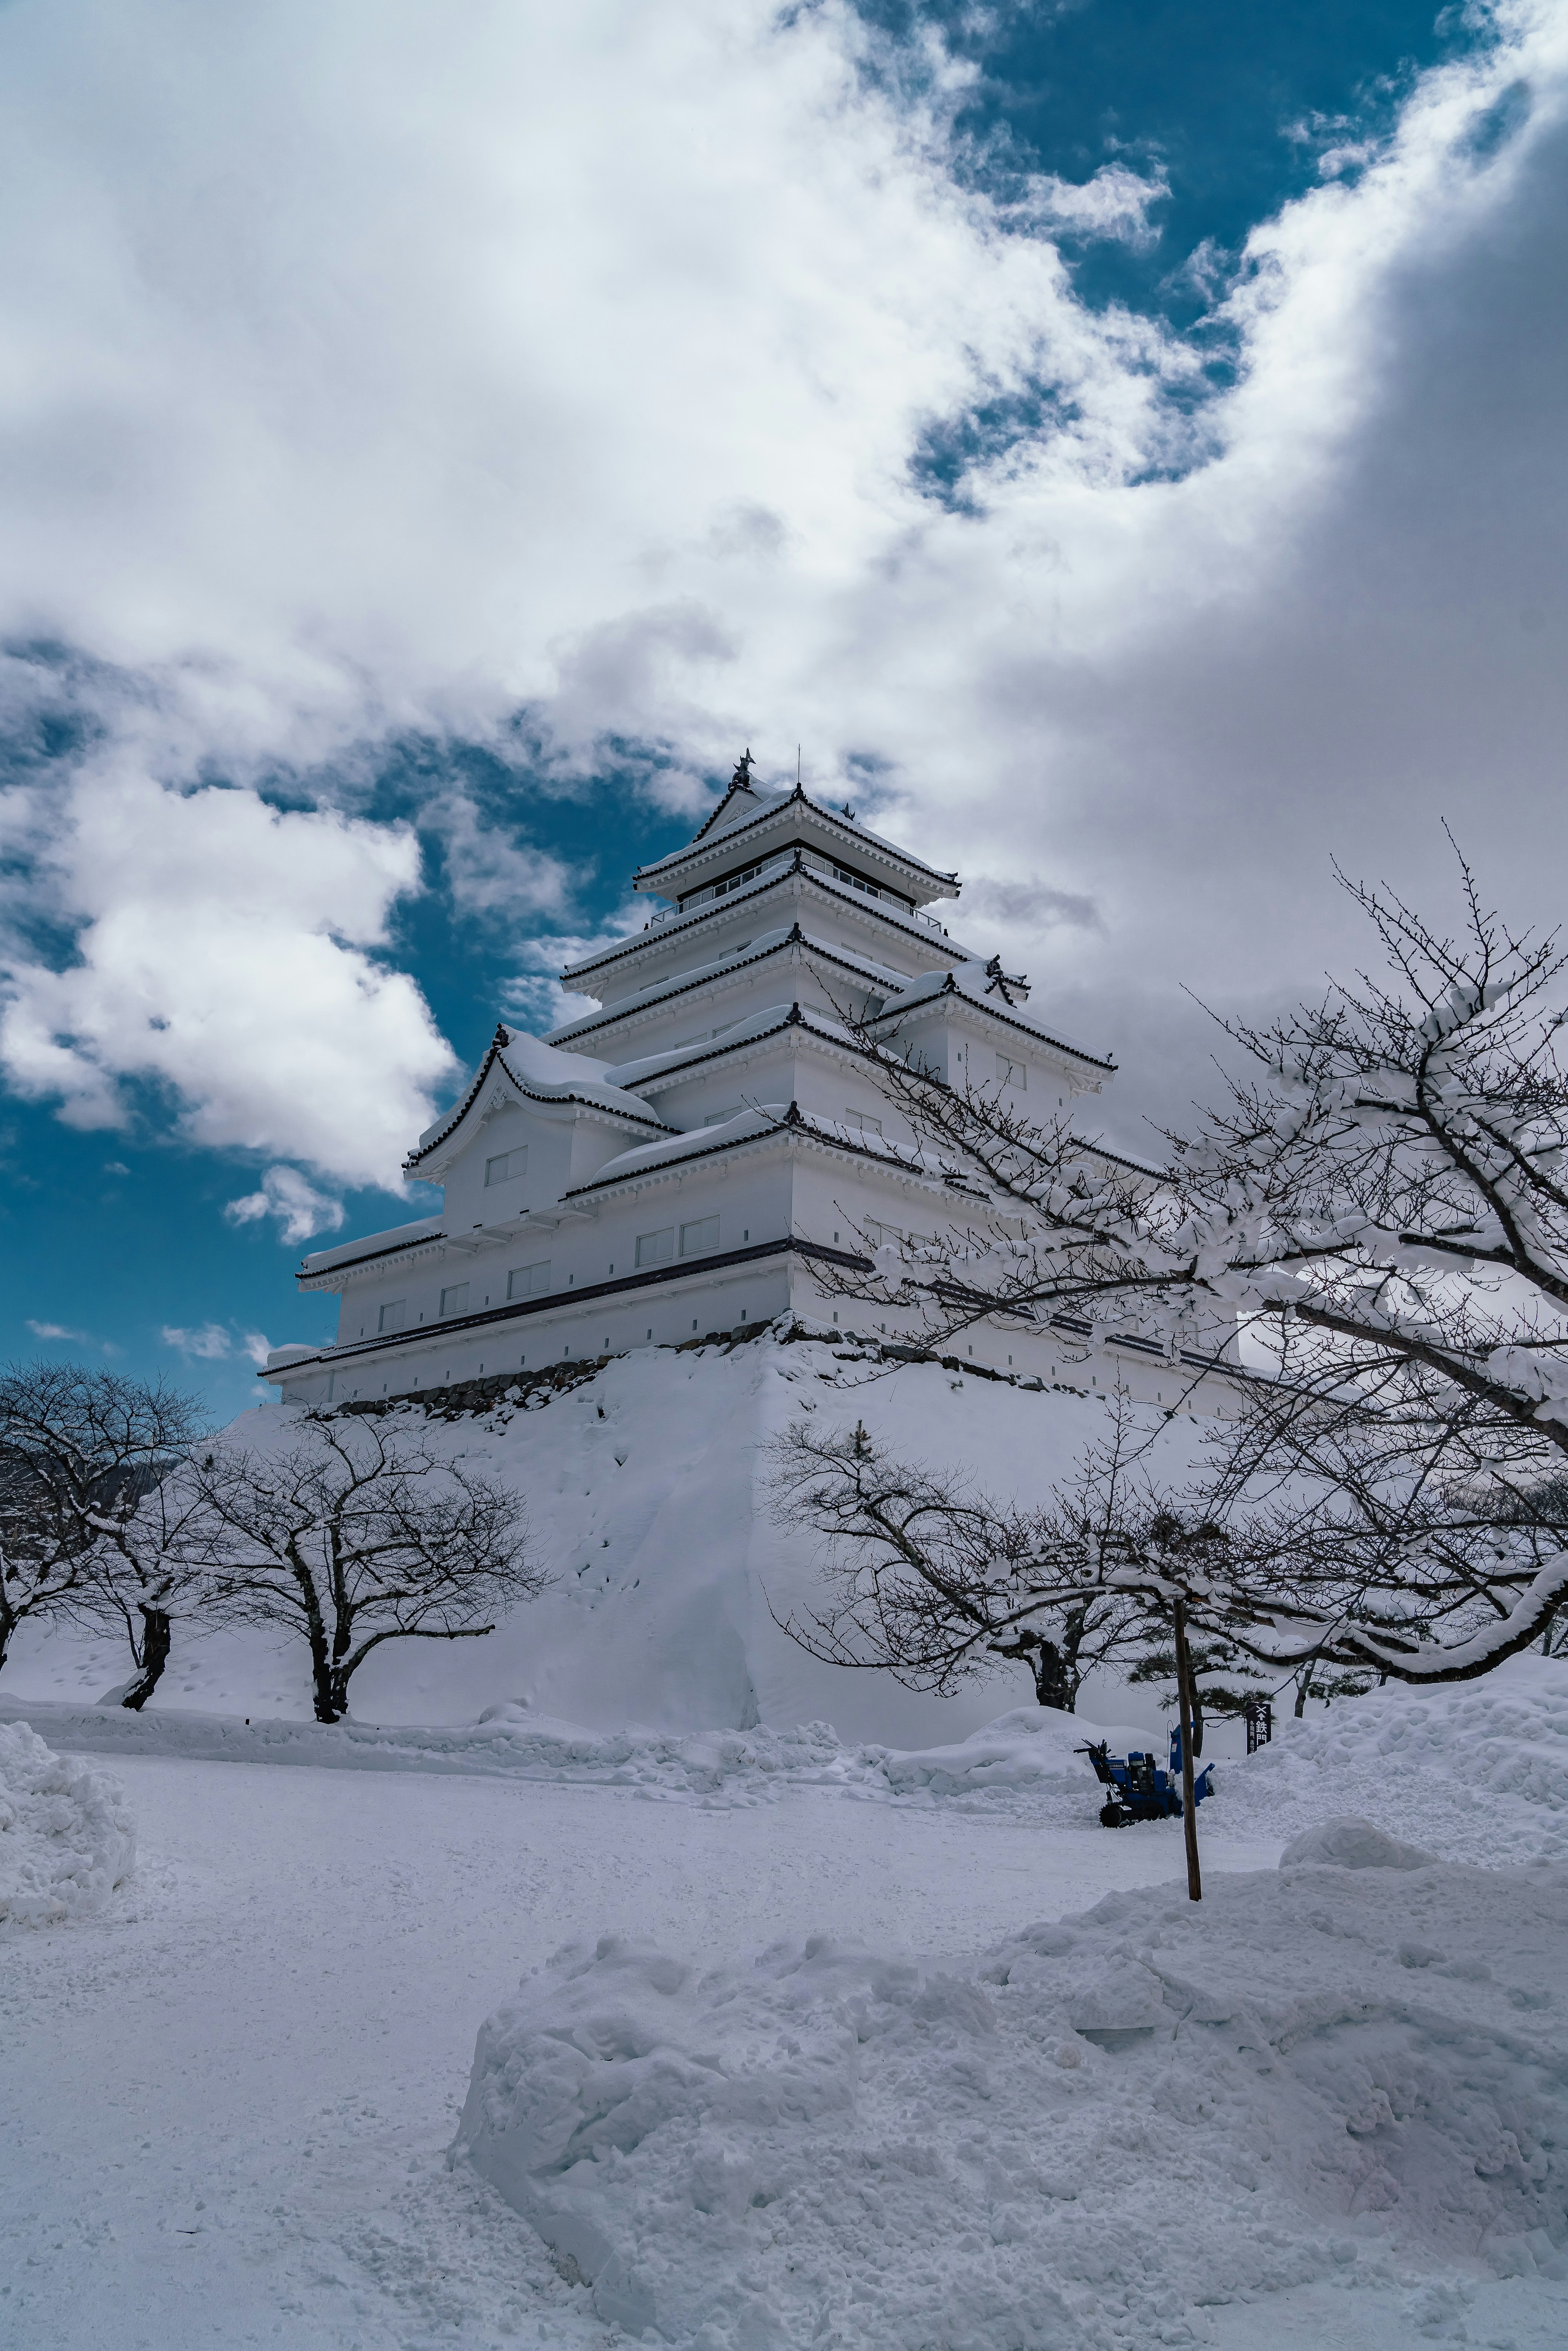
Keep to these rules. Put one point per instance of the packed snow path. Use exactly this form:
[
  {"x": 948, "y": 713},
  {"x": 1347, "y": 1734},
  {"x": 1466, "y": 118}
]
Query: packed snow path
[{"x": 228, "y": 2096}]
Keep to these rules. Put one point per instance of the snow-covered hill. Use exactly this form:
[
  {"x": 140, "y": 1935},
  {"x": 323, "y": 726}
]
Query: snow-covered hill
[{"x": 644, "y": 1486}]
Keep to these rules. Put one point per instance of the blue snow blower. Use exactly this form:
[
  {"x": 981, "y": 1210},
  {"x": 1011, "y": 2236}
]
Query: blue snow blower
[{"x": 1140, "y": 1791}]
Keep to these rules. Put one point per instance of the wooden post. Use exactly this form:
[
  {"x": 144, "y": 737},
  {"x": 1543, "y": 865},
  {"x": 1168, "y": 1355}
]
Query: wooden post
[{"x": 1188, "y": 1801}]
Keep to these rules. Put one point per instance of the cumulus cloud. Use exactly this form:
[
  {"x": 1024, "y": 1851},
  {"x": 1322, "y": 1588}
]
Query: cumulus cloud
[
  {"x": 60, "y": 1331},
  {"x": 222, "y": 950},
  {"x": 584, "y": 359},
  {"x": 216, "y": 1343},
  {"x": 299, "y": 1207},
  {"x": 534, "y": 996}
]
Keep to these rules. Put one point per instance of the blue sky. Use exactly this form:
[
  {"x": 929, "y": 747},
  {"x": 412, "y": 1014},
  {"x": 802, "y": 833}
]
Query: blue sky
[{"x": 1120, "y": 442}]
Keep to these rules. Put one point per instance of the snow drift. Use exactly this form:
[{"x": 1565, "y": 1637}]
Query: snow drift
[
  {"x": 66, "y": 1837},
  {"x": 1309, "y": 2070},
  {"x": 1477, "y": 1770}
]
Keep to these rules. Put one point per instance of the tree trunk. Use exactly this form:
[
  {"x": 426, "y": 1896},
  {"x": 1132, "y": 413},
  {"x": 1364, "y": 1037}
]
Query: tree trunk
[
  {"x": 1303, "y": 1684},
  {"x": 157, "y": 1638},
  {"x": 323, "y": 1678},
  {"x": 1188, "y": 1797},
  {"x": 1053, "y": 1679}
]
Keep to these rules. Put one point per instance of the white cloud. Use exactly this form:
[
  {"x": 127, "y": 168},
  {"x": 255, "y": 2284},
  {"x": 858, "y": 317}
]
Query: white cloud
[
  {"x": 214, "y": 1343},
  {"x": 579, "y": 357},
  {"x": 535, "y": 996},
  {"x": 60, "y": 1331},
  {"x": 300, "y": 1209},
  {"x": 488, "y": 873},
  {"x": 222, "y": 952},
  {"x": 1114, "y": 204}
]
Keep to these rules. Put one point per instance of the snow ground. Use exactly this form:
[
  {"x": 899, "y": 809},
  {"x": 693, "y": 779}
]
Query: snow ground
[{"x": 229, "y": 2093}]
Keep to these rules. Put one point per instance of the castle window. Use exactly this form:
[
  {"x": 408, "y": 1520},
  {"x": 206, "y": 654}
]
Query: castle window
[
  {"x": 393, "y": 1317},
  {"x": 1012, "y": 1073},
  {"x": 456, "y": 1299},
  {"x": 528, "y": 1280},
  {"x": 507, "y": 1167},
  {"x": 703, "y": 1234},
  {"x": 656, "y": 1249},
  {"x": 861, "y": 1122}
]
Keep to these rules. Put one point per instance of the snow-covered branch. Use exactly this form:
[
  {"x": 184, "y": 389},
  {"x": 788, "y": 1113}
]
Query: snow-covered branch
[{"x": 1383, "y": 1207}]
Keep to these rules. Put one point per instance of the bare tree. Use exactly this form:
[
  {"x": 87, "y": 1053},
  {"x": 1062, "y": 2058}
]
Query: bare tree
[
  {"x": 351, "y": 1535},
  {"x": 80, "y": 1453},
  {"x": 1384, "y": 1206},
  {"x": 936, "y": 1583}
]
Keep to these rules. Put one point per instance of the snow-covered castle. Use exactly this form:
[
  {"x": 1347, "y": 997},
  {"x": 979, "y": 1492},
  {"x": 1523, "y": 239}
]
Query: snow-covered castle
[{"x": 688, "y": 1155}]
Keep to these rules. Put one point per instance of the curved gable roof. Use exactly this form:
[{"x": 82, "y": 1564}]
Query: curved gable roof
[{"x": 541, "y": 1073}]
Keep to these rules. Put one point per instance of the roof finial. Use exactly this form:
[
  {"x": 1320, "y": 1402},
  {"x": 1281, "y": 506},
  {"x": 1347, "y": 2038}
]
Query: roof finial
[
  {"x": 1011, "y": 987},
  {"x": 741, "y": 780}
]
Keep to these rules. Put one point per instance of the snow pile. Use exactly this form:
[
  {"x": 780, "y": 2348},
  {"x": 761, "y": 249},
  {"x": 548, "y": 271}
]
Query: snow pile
[
  {"x": 1316, "y": 2074},
  {"x": 1346, "y": 1842},
  {"x": 66, "y": 1837},
  {"x": 1477, "y": 1770},
  {"x": 1033, "y": 1750}
]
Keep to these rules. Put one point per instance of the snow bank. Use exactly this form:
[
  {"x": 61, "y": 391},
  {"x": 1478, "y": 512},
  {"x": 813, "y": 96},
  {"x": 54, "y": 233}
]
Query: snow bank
[
  {"x": 1104, "y": 2127},
  {"x": 1477, "y": 1770},
  {"x": 66, "y": 1837},
  {"x": 1028, "y": 1752}
]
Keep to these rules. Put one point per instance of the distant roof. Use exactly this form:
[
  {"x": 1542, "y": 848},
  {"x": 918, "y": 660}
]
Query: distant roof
[
  {"x": 673, "y": 925},
  {"x": 742, "y": 807},
  {"x": 970, "y": 980}
]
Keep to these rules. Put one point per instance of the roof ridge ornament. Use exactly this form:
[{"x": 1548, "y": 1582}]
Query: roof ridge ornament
[{"x": 1011, "y": 987}]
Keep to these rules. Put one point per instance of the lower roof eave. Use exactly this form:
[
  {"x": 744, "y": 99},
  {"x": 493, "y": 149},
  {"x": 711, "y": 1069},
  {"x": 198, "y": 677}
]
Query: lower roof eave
[
  {"x": 399, "y": 1347},
  {"x": 790, "y": 1131}
]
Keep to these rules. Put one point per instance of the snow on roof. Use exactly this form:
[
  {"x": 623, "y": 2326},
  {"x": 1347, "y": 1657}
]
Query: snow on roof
[
  {"x": 743, "y": 1127},
  {"x": 739, "y": 1032},
  {"x": 752, "y": 808},
  {"x": 746, "y": 951},
  {"x": 746, "y": 804},
  {"x": 544, "y": 1073},
  {"x": 371, "y": 1245},
  {"x": 674, "y": 925},
  {"x": 767, "y": 1118},
  {"x": 971, "y": 981},
  {"x": 541, "y": 1068}
]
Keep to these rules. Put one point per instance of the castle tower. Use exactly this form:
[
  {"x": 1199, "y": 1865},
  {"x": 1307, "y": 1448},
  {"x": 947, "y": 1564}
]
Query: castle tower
[{"x": 686, "y": 1157}]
